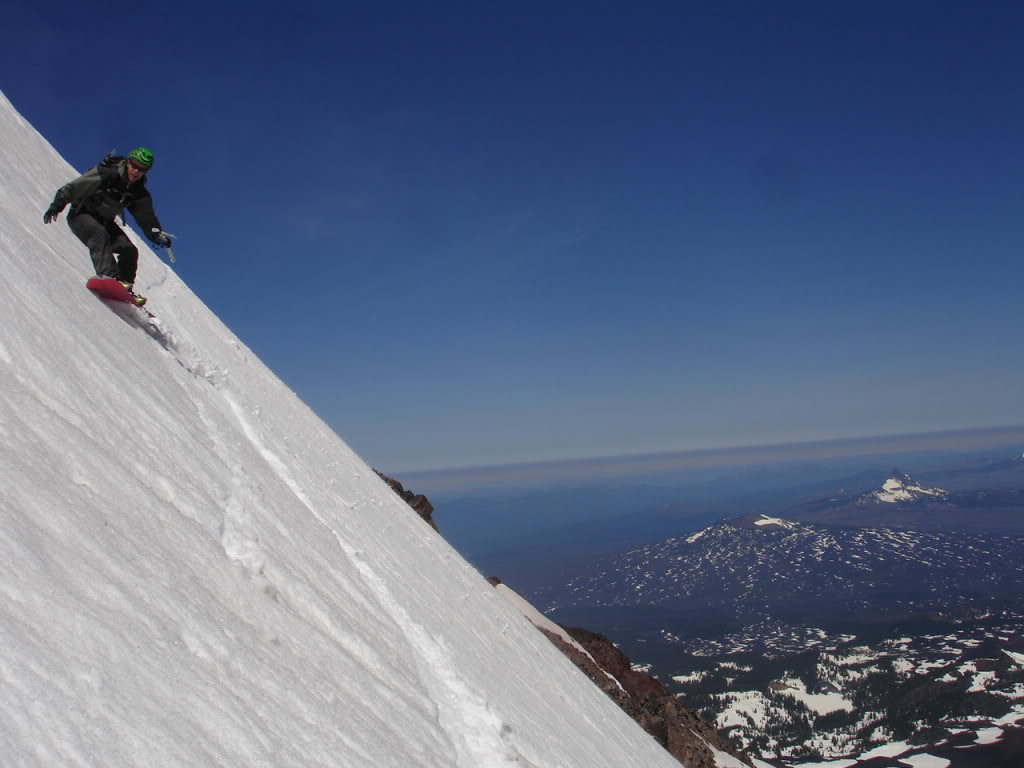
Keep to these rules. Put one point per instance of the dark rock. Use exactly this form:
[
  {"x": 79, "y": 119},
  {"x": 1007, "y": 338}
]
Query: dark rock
[
  {"x": 417, "y": 501},
  {"x": 681, "y": 731}
]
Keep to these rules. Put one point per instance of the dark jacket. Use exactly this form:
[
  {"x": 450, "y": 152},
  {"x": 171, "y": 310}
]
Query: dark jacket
[{"x": 104, "y": 192}]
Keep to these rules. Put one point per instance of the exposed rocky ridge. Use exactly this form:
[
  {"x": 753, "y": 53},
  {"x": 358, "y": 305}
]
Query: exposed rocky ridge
[
  {"x": 417, "y": 501},
  {"x": 684, "y": 733}
]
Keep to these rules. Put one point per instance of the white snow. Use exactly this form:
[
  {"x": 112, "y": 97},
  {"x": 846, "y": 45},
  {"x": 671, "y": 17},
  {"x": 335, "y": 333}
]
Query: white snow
[
  {"x": 894, "y": 490},
  {"x": 1012, "y": 717},
  {"x": 981, "y": 681},
  {"x": 926, "y": 761},
  {"x": 742, "y": 708},
  {"x": 541, "y": 621},
  {"x": 895, "y": 749},
  {"x": 693, "y": 677},
  {"x": 989, "y": 735},
  {"x": 766, "y": 520},
  {"x": 1017, "y": 658},
  {"x": 196, "y": 571},
  {"x": 852, "y": 657},
  {"x": 819, "y": 703},
  {"x": 722, "y": 759}
]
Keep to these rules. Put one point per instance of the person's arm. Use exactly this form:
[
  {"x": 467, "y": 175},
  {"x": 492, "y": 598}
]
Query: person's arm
[
  {"x": 142, "y": 211},
  {"x": 74, "y": 192}
]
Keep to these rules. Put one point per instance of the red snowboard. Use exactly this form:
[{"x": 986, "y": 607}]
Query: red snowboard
[{"x": 111, "y": 290}]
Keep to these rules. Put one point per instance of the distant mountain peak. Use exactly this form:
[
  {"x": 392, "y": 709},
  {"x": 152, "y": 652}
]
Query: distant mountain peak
[
  {"x": 768, "y": 523},
  {"x": 775, "y": 522},
  {"x": 900, "y": 486},
  {"x": 750, "y": 522}
]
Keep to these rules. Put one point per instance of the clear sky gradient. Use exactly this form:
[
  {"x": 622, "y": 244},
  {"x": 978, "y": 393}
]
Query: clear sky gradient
[{"x": 478, "y": 233}]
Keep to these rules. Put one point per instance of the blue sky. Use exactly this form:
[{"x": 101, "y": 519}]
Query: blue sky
[{"x": 480, "y": 233}]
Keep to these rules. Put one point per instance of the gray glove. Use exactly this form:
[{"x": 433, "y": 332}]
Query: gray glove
[{"x": 52, "y": 213}]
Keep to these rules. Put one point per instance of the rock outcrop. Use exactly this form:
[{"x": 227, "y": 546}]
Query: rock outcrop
[
  {"x": 686, "y": 736},
  {"x": 683, "y": 732},
  {"x": 417, "y": 501}
]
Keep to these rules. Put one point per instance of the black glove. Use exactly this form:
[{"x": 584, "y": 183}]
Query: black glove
[{"x": 52, "y": 213}]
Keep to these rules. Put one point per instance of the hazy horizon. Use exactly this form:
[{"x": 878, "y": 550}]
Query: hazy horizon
[{"x": 584, "y": 469}]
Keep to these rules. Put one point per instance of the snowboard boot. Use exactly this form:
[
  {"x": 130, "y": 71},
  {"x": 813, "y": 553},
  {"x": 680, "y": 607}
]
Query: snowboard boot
[{"x": 136, "y": 299}]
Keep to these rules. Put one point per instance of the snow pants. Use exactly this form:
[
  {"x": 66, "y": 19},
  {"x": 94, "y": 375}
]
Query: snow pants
[{"x": 103, "y": 241}]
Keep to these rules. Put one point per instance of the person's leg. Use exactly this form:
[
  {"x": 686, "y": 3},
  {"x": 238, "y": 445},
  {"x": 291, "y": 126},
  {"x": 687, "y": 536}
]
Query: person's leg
[
  {"x": 127, "y": 253},
  {"x": 97, "y": 240}
]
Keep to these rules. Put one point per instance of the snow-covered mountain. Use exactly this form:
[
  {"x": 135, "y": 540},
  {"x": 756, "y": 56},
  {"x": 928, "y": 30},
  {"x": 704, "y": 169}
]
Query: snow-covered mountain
[
  {"x": 900, "y": 487},
  {"x": 902, "y": 502},
  {"x": 196, "y": 571},
  {"x": 762, "y": 567}
]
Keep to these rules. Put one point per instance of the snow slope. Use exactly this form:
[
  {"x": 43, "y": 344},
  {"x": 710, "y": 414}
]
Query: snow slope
[{"x": 195, "y": 571}]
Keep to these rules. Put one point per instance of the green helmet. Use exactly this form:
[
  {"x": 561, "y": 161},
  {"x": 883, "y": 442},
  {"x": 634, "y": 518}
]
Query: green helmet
[{"x": 142, "y": 156}]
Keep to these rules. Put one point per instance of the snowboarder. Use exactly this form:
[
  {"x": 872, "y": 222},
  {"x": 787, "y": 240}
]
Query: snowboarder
[{"x": 96, "y": 198}]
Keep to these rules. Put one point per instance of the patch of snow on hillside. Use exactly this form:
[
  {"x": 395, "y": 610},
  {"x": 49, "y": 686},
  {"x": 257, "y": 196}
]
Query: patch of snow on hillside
[
  {"x": 967, "y": 668},
  {"x": 853, "y": 657},
  {"x": 902, "y": 667},
  {"x": 981, "y": 681},
  {"x": 693, "y": 677},
  {"x": 989, "y": 735},
  {"x": 1014, "y": 716},
  {"x": 819, "y": 703},
  {"x": 926, "y": 665},
  {"x": 696, "y": 536},
  {"x": 722, "y": 759},
  {"x": 926, "y": 761},
  {"x": 743, "y": 708},
  {"x": 895, "y": 749},
  {"x": 1017, "y": 658}
]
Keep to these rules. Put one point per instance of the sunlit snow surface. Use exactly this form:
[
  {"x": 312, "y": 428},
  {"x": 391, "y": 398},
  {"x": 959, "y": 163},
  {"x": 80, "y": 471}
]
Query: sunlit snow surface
[
  {"x": 925, "y": 761},
  {"x": 775, "y": 521},
  {"x": 195, "y": 571},
  {"x": 896, "y": 489},
  {"x": 897, "y": 751}
]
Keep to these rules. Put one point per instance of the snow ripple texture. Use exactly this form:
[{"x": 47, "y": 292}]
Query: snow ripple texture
[{"x": 196, "y": 571}]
